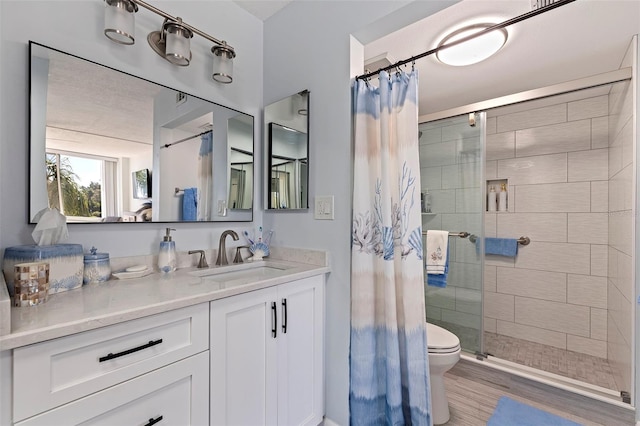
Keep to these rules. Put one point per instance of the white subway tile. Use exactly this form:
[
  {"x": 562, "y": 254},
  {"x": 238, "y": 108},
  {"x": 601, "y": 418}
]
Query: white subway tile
[
  {"x": 468, "y": 200},
  {"x": 491, "y": 125},
  {"x": 555, "y": 316},
  {"x": 591, "y": 228},
  {"x": 434, "y": 313},
  {"x": 431, "y": 178},
  {"x": 620, "y": 236},
  {"x": 490, "y": 278},
  {"x": 466, "y": 275},
  {"x": 533, "y": 118},
  {"x": 495, "y": 260},
  {"x": 589, "y": 165},
  {"x": 550, "y": 227},
  {"x": 533, "y": 334},
  {"x": 615, "y": 156},
  {"x": 499, "y": 306},
  {"x": 565, "y": 137},
  {"x": 465, "y": 175},
  {"x": 587, "y": 290},
  {"x": 441, "y": 297},
  {"x": 535, "y": 169},
  {"x": 588, "y": 108},
  {"x": 620, "y": 358},
  {"x": 554, "y": 197},
  {"x": 555, "y": 257},
  {"x": 599, "y": 324},
  {"x": 625, "y": 276},
  {"x": 599, "y": 260},
  {"x": 490, "y": 324},
  {"x": 469, "y": 301},
  {"x": 600, "y": 132},
  {"x": 458, "y": 131},
  {"x": 430, "y": 136},
  {"x": 438, "y": 154},
  {"x": 583, "y": 345},
  {"x": 491, "y": 170},
  {"x": 490, "y": 224},
  {"x": 461, "y": 318},
  {"x": 501, "y": 145},
  {"x": 600, "y": 196},
  {"x": 531, "y": 283},
  {"x": 443, "y": 201}
]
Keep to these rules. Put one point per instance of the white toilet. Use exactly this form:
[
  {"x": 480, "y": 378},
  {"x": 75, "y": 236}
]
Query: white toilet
[{"x": 444, "y": 353}]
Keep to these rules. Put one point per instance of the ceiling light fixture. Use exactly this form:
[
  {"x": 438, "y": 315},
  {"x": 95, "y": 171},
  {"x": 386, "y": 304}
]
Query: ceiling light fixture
[
  {"x": 172, "y": 41},
  {"x": 474, "y": 50}
]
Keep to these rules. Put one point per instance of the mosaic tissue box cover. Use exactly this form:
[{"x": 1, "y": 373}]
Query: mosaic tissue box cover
[{"x": 66, "y": 264}]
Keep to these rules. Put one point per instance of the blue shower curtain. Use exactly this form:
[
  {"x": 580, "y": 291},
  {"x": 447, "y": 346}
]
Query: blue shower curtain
[{"x": 389, "y": 381}]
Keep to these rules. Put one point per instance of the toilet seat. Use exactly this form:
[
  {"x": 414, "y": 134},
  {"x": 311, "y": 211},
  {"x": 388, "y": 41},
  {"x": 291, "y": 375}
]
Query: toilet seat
[{"x": 441, "y": 341}]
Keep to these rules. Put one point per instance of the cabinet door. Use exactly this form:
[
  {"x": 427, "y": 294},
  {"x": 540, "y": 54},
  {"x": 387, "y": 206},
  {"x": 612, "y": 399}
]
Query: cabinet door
[
  {"x": 172, "y": 395},
  {"x": 243, "y": 359},
  {"x": 301, "y": 353}
]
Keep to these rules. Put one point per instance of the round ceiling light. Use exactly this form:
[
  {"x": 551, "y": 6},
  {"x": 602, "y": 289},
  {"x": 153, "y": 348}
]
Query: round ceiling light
[{"x": 474, "y": 50}]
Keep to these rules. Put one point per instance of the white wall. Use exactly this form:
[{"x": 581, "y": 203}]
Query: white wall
[
  {"x": 308, "y": 46},
  {"x": 77, "y": 27}
]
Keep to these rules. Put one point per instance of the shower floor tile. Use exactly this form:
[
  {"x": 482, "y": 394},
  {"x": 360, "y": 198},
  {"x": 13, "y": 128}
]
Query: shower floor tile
[{"x": 575, "y": 365}]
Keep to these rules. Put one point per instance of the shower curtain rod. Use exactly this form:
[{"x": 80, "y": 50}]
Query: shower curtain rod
[
  {"x": 504, "y": 24},
  {"x": 167, "y": 145}
]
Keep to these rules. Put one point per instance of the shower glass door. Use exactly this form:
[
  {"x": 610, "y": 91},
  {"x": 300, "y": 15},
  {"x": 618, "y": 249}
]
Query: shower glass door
[{"x": 452, "y": 170}]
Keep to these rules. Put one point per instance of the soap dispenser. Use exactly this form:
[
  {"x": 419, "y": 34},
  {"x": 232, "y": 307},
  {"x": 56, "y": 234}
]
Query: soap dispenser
[
  {"x": 167, "y": 256},
  {"x": 502, "y": 198}
]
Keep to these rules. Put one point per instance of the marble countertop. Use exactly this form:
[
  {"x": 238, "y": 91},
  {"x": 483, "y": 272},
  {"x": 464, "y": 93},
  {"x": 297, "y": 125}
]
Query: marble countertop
[{"x": 97, "y": 305}]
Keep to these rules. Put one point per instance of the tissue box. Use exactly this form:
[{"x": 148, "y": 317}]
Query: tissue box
[{"x": 66, "y": 263}]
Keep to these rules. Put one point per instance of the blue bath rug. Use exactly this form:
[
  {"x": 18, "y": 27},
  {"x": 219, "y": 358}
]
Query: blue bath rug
[{"x": 513, "y": 413}]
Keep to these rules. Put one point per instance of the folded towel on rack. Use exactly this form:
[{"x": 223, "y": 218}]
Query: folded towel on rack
[
  {"x": 500, "y": 246},
  {"x": 437, "y": 252},
  {"x": 439, "y": 280},
  {"x": 190, "y": 204}
]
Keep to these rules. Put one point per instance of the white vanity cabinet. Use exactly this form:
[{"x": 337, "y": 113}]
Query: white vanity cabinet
[
  {"x": 267, "y": 357},
  {"x": 125, "y": 373}
]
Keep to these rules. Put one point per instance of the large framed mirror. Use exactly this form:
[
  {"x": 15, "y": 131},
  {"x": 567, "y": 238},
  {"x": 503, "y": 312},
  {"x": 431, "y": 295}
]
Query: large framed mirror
[
  {"x": 106, "y": 146},
  {"x": 288, "y": 153}
]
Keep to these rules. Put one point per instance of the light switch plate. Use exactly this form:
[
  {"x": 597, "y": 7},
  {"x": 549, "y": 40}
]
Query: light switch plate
[{"x": 323, "y": 207}]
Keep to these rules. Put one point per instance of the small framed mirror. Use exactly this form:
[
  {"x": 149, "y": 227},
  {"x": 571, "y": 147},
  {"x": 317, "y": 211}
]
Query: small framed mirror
[{"x": 288, "y": 153}]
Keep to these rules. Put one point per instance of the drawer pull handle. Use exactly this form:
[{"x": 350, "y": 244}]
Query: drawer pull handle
[
  {"x": 153, "y": 421},
  {"x": 130, "y": 351}
]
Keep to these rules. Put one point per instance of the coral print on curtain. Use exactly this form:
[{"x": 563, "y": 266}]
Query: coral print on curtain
[{"x": 389, "y": 382}]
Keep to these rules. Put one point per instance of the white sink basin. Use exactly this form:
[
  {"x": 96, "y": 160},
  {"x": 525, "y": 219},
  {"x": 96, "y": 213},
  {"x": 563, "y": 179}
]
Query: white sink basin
[{"x": 243, "y": 273}]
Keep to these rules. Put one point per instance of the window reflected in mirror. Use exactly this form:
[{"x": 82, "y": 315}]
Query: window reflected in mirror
[{"x": 98, "y": 136}]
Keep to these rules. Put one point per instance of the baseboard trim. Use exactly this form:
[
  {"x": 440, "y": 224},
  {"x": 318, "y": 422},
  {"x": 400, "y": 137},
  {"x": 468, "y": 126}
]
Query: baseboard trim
[{"x": 329, "y": 422}]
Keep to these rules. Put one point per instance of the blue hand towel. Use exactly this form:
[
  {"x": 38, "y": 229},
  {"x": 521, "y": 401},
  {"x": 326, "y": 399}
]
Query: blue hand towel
[
  {"x": 501, "y": 246},
  {"x": 190, "y": 204},
  {"x": 439, "y": 280}
]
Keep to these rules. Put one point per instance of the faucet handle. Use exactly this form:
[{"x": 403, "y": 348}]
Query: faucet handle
[
  {"x": 238, "y": 258},
  {"x": 202, "y": 263}
]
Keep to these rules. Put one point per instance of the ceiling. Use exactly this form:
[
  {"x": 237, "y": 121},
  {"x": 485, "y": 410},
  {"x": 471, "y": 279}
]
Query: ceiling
[
  {"x": 579, "y": 39},
  {"x": 262, "y": 9}
]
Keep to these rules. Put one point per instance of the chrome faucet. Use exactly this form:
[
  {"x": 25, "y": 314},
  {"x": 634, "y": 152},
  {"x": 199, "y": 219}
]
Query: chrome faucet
[
  {"x": 222, "y": 250},
  {"x": 202, "y": 263}
]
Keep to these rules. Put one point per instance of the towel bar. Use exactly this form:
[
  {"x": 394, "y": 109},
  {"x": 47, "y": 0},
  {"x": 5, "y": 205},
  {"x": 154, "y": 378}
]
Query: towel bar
[
  {"x": 463, "y": 234},
  {"x": 523, "y": 241},
  {"x": 178, "y": 190}
]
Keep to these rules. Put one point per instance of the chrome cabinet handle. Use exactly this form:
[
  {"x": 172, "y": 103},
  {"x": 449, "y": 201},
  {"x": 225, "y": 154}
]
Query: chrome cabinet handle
[{"x": 129, "y": 351}]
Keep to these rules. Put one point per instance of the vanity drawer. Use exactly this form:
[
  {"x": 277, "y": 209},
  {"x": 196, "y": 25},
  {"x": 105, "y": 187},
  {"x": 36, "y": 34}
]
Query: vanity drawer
[
  {"x": 52, "y": 373},
  {"x": 173, "y": 395}
]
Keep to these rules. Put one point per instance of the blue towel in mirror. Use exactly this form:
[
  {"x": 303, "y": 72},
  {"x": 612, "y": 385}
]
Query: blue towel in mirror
[
  {"x": 501, "y": 246},
  {"x": 190, "y": 204}
]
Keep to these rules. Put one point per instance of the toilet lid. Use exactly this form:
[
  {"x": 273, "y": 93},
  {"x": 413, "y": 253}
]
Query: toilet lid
[{"x": 439, "y": 339}]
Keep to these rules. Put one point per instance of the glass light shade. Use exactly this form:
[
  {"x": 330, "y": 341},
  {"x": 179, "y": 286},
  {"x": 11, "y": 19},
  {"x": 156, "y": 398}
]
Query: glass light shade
[
  {"x": 222, "y": 63},
  {"x": 178, "y": 42},
  {"x": 471, "y": 51},
  {"x": 119, "y": 21}
]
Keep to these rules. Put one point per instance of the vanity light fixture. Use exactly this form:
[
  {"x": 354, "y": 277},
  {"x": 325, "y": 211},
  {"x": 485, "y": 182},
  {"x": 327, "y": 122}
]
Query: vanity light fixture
[
  {"x": 474, "y": 50},
  {"x": 172, "y": 41}
]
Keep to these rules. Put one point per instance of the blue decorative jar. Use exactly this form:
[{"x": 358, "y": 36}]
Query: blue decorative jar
[
  {"x": 97, "y": 268},
  {"x": 65, "y": 264}
]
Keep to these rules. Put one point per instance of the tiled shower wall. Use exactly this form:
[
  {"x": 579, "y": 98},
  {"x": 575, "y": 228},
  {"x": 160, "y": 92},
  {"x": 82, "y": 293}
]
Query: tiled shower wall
[
  {"x": 620, "y": 277},
  {"x": 555, "y": 158}
]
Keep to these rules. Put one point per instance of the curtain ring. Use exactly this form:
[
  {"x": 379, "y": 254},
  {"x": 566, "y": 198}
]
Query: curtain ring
[{"x": 413, "y": 65}]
